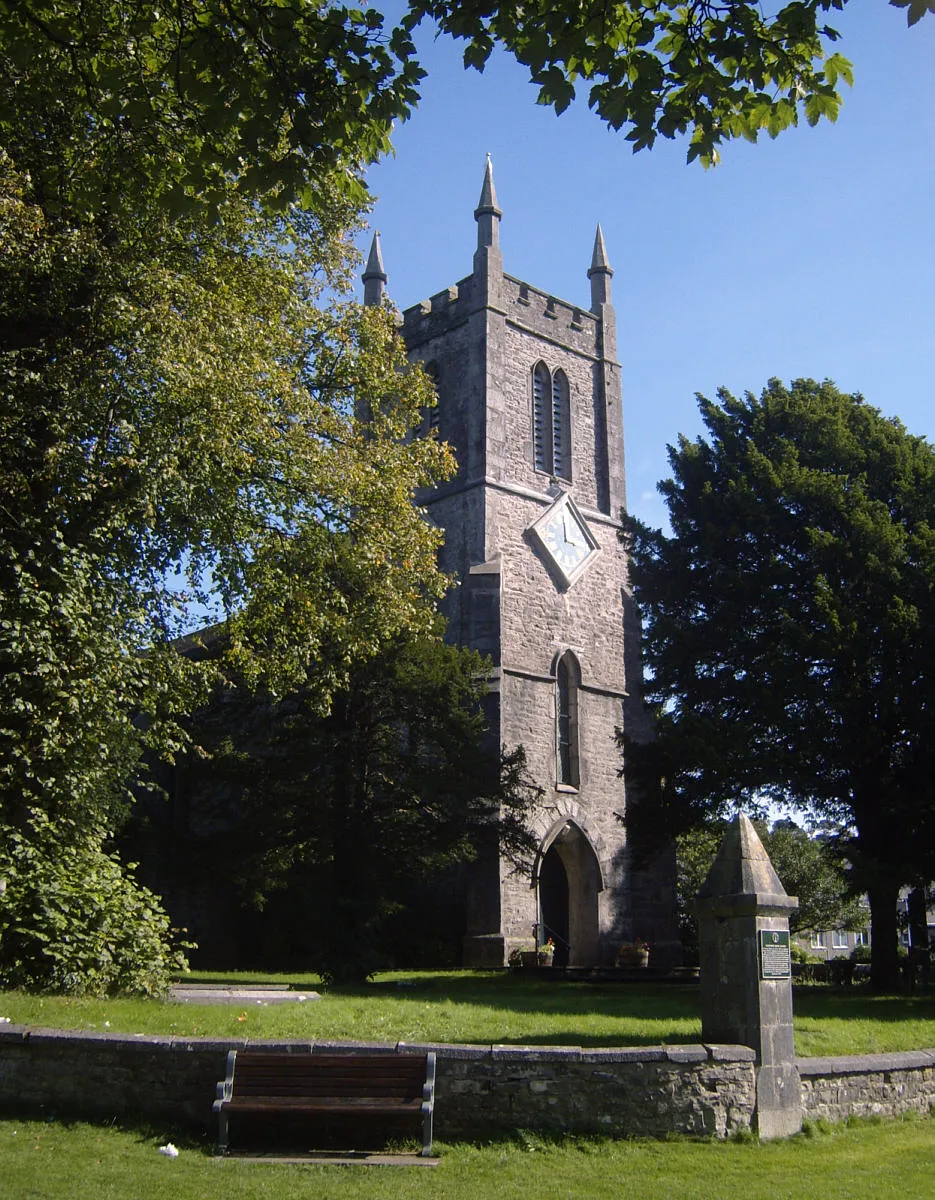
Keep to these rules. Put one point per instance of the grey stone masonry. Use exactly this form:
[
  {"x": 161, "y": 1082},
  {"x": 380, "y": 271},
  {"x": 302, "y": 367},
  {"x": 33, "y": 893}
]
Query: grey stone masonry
[
  {"x": 746, "y": 996},
  {"x": 489, "y": 341},
  {"x": 868, "y": 1085}
]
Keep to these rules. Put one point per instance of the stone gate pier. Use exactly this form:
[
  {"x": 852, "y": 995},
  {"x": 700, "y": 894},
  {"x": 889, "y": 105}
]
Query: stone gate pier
[{"x": 746, "y": 972}]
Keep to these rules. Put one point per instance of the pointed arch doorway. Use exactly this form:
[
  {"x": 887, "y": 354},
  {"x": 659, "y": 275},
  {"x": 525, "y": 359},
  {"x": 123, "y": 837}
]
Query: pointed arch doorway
[{"x": 568, "y": 881}]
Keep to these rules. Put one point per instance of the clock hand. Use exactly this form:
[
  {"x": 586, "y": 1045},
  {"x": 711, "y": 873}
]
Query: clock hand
[{"x": 571, "y": 530}]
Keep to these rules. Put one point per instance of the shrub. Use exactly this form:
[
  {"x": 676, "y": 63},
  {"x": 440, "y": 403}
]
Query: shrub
[{"x": 73, "y": 919}]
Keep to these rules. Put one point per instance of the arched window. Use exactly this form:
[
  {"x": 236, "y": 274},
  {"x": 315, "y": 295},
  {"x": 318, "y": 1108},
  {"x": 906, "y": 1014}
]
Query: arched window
[
  {"x": 431, "y": 413},
  {"x": 567, "y": 682},
  {"x": 551, "y": 421},
  {"x": 561, "y": 426},
  {"x": 541, "y": 418}
]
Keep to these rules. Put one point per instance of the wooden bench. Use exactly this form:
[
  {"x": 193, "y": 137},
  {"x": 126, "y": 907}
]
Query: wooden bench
[{"x": 333, "y": 1090}]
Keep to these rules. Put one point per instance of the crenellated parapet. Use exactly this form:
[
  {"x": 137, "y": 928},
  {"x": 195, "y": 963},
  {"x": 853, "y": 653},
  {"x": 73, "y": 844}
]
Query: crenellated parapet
[
  {"x": 440, "y": 313},
  {"x": 548, "y": 317},
  {"x": 524, "y": 306}
]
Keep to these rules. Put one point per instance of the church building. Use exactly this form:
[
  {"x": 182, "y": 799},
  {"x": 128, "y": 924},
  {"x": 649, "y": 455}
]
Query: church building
[{"x": 529, "y": 398}]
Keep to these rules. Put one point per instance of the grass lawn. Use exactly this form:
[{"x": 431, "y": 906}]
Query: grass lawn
[
  {"x": 46, "y": 1161},
  {"x": 484, "y": 1007},
  {"x": 890, "y": 1160}
]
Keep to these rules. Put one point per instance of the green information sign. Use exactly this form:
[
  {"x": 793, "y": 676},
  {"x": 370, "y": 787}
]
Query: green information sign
[{"x": 775, "y": 954}]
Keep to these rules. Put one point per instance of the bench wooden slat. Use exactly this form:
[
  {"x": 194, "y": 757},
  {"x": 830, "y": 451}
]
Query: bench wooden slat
[
  {"x": 327, "y": 1085},
  {"x": 348, "y": 1104}
]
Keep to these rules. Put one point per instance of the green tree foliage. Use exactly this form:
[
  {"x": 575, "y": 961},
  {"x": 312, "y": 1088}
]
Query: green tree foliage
[
  {"x": 713, "y": 71},
  {"x": 72, "y": 919},
  {"x": 278, "y": 93},
  {"x": 808, "y": 867},
  {"x": 788, "y": 629},
  {"x": 180, "y": 373},
  {"x": 811, "y": 868},
  {"x": 143, "y": 102},
  {"x": 346, "y": 820},
  {"x": 179, "y": 425}
]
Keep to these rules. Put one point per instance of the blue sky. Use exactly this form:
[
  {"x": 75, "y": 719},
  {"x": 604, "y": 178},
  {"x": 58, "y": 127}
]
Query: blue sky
[{"x": 812, "y": 255}]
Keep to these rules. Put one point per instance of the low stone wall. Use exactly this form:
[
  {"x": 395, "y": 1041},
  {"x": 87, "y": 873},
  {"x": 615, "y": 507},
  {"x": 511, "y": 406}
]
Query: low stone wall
[
  {"x": 480, "y": 1090},
  {"x": 868, "y": 1085},
  {"x": 641, "y": 1092},
  {"x": 112, "y": 1075}
]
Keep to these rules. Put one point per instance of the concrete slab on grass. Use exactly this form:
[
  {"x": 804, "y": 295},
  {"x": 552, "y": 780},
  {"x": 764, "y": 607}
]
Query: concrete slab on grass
[{"x": 242, "y": 996}]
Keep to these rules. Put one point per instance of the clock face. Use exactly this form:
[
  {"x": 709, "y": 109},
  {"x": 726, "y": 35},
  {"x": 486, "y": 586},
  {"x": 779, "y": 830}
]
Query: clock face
[{"x": 567, "y": 538}]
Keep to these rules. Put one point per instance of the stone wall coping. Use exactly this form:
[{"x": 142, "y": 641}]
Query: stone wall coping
[
  {"x": 857, "y": 1064},
  {"x": 536, "y": 1053},
  {"x": 612, "y": 1054},
  {"x": 686, "y": 1054},
  {"x": 443, "y": 1050},
  {"x": 727, "y": 1053},
  {"x": 864, "y": 1064},
  {"x": 329, "y": 1046},
  {"x": 41, "y": 1034}
]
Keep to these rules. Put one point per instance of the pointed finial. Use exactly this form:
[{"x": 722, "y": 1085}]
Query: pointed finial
[
  {"x": 599, "y": 273},
  {"x": 487, "y": 214},
  {"x": 742, "y": 867},
  {"x": 599, "y": 257},
  {"x": 374, "y": 277},
  {"x": 488, "y": 195}
]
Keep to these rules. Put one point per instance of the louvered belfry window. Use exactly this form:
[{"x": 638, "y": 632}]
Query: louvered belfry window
[
  {"x": 541, "y": 418},
  {"x": 551, "y": 418}
]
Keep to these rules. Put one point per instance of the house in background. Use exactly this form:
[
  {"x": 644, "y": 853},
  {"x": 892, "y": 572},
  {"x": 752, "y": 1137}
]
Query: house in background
[
  {"x": 841, "y": 943},
  {"x": 834, "y": 943}
]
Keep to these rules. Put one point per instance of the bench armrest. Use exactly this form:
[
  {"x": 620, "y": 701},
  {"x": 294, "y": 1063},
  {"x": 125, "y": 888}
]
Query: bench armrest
[
  {"x": 225, "y": 1087},
  {"x": 428, "y": 1103}
]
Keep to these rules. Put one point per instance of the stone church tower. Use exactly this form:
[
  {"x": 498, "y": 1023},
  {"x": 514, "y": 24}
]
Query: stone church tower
[{"x": 529, "y": 397}]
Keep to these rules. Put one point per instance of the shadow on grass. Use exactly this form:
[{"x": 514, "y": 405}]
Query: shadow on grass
[
  {"x": 673, "y": 1012},
  {"x": 860, "y": 1004},
  {"x": 668, "y": 1008},
  {"x": 565, "y": 1002}
]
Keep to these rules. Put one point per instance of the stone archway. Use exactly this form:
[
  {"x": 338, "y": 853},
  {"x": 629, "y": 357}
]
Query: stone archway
[{"x": 568, "y": 880}]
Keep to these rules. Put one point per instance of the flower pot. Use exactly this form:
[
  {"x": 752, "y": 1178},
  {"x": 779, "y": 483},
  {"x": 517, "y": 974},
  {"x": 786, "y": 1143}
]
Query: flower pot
[
  {"x": 544, "y": 958},
  {"x": 632, "y": 956},
  {"x": 529, "y": 958}
]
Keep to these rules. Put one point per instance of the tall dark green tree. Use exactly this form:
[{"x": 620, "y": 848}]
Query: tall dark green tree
[
  {"x": 338, "y": 823},
  {"x": 788, "y": 631}
]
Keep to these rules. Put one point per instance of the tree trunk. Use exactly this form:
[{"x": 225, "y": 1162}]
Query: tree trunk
[
  {"x": 884, "y": 959},
  {"x": 919, "y": 962}
]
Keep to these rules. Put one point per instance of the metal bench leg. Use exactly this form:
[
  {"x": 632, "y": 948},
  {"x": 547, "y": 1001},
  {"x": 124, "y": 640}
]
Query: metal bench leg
[
  {"x": 222, "y": 1132},
  {"x": 427, "y": 1133},
  {"x": 428, "y": 1104}
]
